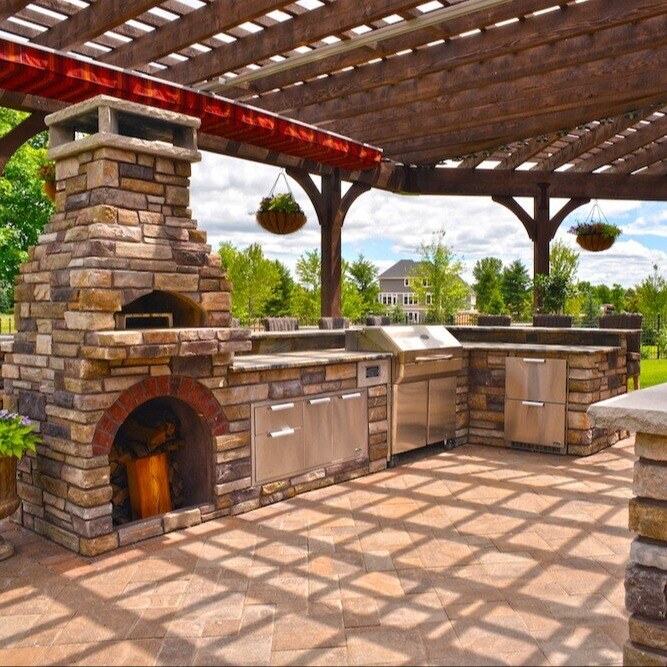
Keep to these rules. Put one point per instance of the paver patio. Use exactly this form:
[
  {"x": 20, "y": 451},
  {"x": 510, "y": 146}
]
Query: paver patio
[{"x": 475, "y": 556}]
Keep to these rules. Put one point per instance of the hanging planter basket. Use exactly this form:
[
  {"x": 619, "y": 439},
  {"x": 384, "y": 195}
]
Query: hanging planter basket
[
  {"x": 595, "y": 242},
  {"x": 281, "y": 222},
  {"x": 280, "y": 213},
  {"x": 48, "y": 174},
  {"x": 596, "y": 233}
]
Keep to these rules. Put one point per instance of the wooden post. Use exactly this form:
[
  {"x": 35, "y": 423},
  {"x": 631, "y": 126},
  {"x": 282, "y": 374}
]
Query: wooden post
[
  {"x": 331, "y": 209},
  {"x": 543, "y": 235},
  {"x": 331, "y": 245}
]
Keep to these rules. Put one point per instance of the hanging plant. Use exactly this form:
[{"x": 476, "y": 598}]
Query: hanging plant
[
  {"x": 596, "y": 233},
  {"x": 47, "y": 173},
  {"x": 280, "y": 213}
]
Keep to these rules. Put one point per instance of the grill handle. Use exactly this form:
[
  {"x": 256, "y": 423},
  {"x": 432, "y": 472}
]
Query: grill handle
[
  {"x": 535, "y": 361},
  {"x": 281, "y": 406},
  {"x": 434, "y": 357},
  {"x": 533, "y": 404},
  {"x": 319, "y": 401}
]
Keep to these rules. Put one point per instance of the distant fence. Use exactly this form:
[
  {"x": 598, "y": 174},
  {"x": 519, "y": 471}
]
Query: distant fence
[{"x": 654, "y": 336}]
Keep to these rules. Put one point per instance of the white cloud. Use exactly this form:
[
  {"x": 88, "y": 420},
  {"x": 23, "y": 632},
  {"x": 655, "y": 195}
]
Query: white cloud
[{"x": 226, "y": 192}]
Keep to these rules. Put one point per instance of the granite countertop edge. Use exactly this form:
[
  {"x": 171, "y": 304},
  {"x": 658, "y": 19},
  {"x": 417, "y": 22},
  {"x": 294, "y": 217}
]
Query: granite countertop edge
[
  {"x": 643, "y": 411},
  {"x": 281, "y": 360},
  {"x": 539, "y": 348}
]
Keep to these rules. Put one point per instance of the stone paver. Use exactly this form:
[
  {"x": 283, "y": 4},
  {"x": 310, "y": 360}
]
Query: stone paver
[{"x": 476, "y": 556}]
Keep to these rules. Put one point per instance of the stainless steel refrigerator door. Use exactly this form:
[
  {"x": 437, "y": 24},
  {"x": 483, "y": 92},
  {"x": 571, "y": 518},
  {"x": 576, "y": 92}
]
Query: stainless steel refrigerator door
[
  {"x": 535, "y": 423},
  {"x": 441, "y": 409},
  {"x": 410, "y": 416}
]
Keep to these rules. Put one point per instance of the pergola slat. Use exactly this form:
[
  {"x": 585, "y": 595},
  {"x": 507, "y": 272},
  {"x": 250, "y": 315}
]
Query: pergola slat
[
  {"x": 284, "y": 37},
  {"x": 634, "y": 141},
  {"x": 10, "y": 7},
  {"x": 200, "y": 24},
  {"x": 92, "y": 21},
  {"x": 657, "y": 152}
]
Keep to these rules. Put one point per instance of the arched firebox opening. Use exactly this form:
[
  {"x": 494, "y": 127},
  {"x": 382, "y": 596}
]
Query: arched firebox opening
[
  {"x": 160, "y": 460},
  {"x": 161, "y": 310}
]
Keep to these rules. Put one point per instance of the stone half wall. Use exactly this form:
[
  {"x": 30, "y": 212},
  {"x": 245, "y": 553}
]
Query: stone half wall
[
  {"x": 592, "y": 377},
  {"x": 646, "y": 574}
]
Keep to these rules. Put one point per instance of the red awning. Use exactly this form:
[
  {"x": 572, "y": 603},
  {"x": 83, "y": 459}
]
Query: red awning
[{"x": 29, "y": 70}]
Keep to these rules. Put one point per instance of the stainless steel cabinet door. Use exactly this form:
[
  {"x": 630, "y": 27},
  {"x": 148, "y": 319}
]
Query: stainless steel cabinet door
[
  {"x": 534, "y": 379},
  {"x": 278, "y": 454},
  {"x": 410, "y": 415},
  {"x": 278, "y": 416},
  {"x": 535, "y": 423},
  {"x": 350, "y": 425},
  {"x": 318, "y": 431},
  {"x": 442, "y": 409}
]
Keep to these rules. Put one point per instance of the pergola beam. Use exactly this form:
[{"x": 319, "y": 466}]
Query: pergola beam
[
  {"x": 88, "y": 23},
  {"x": 198, "y": 25},
  {"x": 467, "y": 65},
  {"x": 284, "y": 37},
  {"x": 632, "y": 76},
  {"x": 10, "y": 7},
  {"x": 372, "y": 75},
  {"x": 656, "y": 152}
]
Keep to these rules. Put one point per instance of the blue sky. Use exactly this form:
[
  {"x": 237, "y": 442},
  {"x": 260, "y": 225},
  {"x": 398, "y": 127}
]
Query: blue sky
[{"x": 387, "y": 227}]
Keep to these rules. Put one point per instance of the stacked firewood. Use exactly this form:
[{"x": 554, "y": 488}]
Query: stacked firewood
[{"x": 149, "y": 431}]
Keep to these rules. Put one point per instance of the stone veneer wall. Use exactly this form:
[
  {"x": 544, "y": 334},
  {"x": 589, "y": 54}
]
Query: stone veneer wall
[
  {"x": 646, "y": 575},
  {"x": 591, "y": 377}
]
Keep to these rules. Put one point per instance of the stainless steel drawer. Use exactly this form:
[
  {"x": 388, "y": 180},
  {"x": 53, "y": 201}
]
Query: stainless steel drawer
[
  {"x": 428, "y": 367},
  {"x": 278, "y": 416},
  {"x": 279, "y": 454},
  {"x": 535, "y": 423},
  {"x": 531, "y": 379}
]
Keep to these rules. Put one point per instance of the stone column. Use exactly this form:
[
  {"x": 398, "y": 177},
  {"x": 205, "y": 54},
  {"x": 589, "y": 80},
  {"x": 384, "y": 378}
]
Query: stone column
[{"x": 645, "y": 412}]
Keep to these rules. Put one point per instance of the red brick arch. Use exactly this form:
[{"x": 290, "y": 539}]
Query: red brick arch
[{"x": 195, "y": 394}]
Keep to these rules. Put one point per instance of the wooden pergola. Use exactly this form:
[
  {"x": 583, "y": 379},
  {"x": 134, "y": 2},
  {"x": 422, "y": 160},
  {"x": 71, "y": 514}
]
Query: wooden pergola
[{"x": 502, "y": 98}]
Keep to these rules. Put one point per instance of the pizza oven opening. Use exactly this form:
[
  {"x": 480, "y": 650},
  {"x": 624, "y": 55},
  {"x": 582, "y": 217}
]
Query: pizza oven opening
[{"x": 161, "y": 310}]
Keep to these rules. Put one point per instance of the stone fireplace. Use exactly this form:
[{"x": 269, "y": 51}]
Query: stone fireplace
[{"x": 123, "y": 331}]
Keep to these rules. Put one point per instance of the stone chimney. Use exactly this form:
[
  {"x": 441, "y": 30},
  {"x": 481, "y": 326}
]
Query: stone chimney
[{"x": 120, "y": 303}]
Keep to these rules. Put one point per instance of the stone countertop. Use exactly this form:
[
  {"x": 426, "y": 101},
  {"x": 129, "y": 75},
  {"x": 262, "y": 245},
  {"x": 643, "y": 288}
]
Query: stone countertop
[
  {"x": 267, "y": 362},
  {"x": 539, "y": 349},
  {"x": 642, "y": 411}
]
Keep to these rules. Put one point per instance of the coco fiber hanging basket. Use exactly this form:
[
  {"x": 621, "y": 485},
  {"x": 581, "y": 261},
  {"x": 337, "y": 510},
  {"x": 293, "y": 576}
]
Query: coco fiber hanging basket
[
  {"x": 281, "y": 213},
  {"x": 595, "y": 233}
]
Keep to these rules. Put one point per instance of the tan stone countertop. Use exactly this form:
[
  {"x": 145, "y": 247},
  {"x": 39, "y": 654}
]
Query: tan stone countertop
[
  {"x": 540, "y": 349},
  {"x": 643, "y": 411},
  {"x": 265, "y": 362}
]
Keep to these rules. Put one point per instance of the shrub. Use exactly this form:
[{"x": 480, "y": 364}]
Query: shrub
[{"x": 17, "y": 435}]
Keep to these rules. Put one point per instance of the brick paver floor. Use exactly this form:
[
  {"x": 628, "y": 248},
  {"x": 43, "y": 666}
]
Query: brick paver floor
[{"x": 476, "y": 556}]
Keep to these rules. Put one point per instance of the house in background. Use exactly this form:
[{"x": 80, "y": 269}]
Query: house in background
[{"x": 396, "y": 290}]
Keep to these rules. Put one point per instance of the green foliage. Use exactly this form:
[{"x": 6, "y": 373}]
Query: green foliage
[
  {"x": 552, "y": 292},
  {"x": 595, "y": 228},
  {"x": 654, "y": 371},
  {"x": 363, "y": 274},
  {"x": 16, "y": 435},
  {"x": 255, "y": 280},
  {"x": 24, "y": 208},
  {"x": 516, "y": 289},
  {"x": 591, "y": 312},
  {"x": 307, "y": 292},
  {"x": 564, "y": 261},
  {"x": 438, "y": 274},
  {"x": 651, "y": 294},
  {"x": 284, "y": 202},
  {"x": 280, "y": 302},
  {"x": 397, "y": 314},
  {"x": 487, "y": 285}
]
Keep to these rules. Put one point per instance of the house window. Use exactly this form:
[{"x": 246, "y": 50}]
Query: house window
[
  {"x": 387, "y": 299},
  {"x": 413, "y": 316},
  {"x": 410, "y": 300},
  {"x": 429, "y": 299},
  {"x": 406, "y": 282}
]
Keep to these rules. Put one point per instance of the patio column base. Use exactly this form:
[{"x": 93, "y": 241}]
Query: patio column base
[{"x": 6, "y": 549}]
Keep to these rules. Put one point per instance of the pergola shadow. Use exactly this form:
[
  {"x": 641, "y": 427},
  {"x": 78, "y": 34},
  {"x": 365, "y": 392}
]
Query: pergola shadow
[{"x": 476, "y": 556}]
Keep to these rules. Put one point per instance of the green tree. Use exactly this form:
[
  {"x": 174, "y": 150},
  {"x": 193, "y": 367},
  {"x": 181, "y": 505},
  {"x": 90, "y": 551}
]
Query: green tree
[
  {"x": 652, "y": 294},
  {"x": 24, "y": 208},
  {"x": 554, "y": 291},
  {"x": 437, "y": 279},
  {"x": 254, "y": 278},
  {"x": 363, "y": 274},
  {"x": 591, "y": 311},
  {"x": 280, "y": 302},
  {"x": 564, "y": 262},
  {"x": 487, "y": 285},
  {"x": 515, "y": 287},
  {"x": 307, "y": 291}
]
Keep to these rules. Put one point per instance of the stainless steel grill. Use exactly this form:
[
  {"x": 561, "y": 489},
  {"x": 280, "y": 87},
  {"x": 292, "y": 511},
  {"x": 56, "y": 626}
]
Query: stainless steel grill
[{"x": 425, "y": 362}]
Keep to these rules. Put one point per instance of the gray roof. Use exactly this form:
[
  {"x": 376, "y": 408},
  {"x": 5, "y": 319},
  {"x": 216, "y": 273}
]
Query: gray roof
[{"x": 402, "y": 269}]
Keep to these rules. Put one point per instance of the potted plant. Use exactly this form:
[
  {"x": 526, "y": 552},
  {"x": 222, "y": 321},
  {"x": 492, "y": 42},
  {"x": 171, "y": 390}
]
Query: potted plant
[
  {"x": 17, "y": 436},
  {"x": 595, "y": 233},
  {"x": 47, "y": 173},
  {"x": 280, "y": 213}
]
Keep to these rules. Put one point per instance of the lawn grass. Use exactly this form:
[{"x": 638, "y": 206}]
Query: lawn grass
[
  {"x": 6, "y": 323},
  {"x": 654, "y": 371}
]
